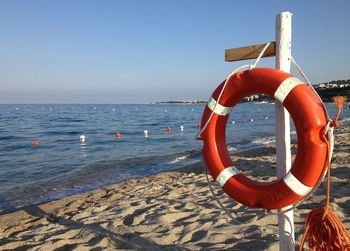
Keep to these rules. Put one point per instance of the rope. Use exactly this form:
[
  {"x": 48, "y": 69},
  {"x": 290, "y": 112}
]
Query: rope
[
  {"x": 309, "y": 83},
  {"x": 217, "y": 199},
  {"x": 339, "y": 101},
  {"x": 260, "y": 55},
  {"x": 328, "y": 131},
  {"x": 324, "y": 231},
  {"x": 231, "y": 215},
  {"x": 250, "y": 67},
  {"x": 219, "y": 97}
]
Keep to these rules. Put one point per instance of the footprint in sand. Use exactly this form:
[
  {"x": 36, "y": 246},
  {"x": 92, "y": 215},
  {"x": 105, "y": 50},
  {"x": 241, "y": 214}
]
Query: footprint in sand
[
  {"x": 196, "y": 236},
  {"x": 173, "y": 217},
  {"x": 129, "y": 219}
]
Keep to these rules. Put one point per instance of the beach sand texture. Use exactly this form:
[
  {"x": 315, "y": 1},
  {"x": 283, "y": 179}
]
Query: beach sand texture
[{"x": 170, "y": 211}]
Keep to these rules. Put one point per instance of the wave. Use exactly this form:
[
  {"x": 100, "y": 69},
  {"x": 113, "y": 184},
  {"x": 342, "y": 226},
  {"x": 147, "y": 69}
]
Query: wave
[
  {"x": 232, "y": 148},
  {"x": 62, "y": 133},
  {"x": 344, "y": 119},
  {"x": 10, "y": 137},
  {"x": 68, "y": 119},
  {"x": 248, "y": 144},
  {"x": 178, "y": 159},
  {"x": 93, "y": 176},
  {"x": 264, "y": 140}
]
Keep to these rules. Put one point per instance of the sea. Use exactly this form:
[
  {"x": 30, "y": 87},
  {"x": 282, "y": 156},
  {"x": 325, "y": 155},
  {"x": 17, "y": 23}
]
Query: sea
[{"x": 62, "y": 165}]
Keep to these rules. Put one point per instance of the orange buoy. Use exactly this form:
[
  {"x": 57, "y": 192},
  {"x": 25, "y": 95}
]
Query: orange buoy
[
  {"x": 117, "y": 135},
  {"x": 35, "y": 143},
  {"x": 169, "y": 129},
  {"x": 310, "y": 120}
]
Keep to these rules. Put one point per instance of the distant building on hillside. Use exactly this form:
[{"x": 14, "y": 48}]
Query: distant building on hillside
[{"x": 326, "y": 91}]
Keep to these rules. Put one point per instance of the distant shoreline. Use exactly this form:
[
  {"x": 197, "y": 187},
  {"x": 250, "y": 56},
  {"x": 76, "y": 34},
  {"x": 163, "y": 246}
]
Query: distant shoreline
[
  {"x": 182, "y": 102},
  {"x": 325, "y": 91}
]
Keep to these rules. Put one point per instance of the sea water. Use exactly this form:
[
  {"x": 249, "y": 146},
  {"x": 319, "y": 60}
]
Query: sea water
[{"x": 62, "y": 165}]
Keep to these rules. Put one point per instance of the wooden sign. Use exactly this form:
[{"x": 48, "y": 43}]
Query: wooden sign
[{"x": 249, "y": 52}]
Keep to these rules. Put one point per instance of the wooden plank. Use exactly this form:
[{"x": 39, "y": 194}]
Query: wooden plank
[{"x": 249, "y": 52}]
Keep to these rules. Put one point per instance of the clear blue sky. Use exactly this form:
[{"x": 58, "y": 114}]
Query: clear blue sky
[{"x": 141, "y": 51}]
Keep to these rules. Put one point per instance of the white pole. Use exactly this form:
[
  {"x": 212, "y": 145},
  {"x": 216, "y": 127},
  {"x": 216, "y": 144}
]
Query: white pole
[{"x": 283, "y": 154}]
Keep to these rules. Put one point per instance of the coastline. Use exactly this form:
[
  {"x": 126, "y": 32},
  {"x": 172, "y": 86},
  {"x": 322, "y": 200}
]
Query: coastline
[{"x": 171, "y": 210}]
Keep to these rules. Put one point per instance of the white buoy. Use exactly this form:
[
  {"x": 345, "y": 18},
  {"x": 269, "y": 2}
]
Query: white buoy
[
  {"x": 181, "y": 128},
  {"x": 251, "y": 120},
  {"x": 145, "y": 132},
  {"x": 82, "y": 138},
  {"x": 166, "y": 110},
  {"x": 113, "y": 109},
  {"x": 233, "y": 122},
  {"x": 17, "y": 108},
  {"x": 266, "y": 117}
]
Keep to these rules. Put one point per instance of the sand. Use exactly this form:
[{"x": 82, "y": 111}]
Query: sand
[{"x": 170, "y": 211}]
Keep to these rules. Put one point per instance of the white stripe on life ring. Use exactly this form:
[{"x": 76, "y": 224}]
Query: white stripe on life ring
[
  {"x": 296, "y": 185},
  {"x": 226, "y": 174},
  {"x": 285, "y": 88},
  {"x": 219, "y": 109}
]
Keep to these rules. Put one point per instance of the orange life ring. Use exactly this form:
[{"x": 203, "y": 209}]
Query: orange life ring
[{"x": 310, "y": 119}]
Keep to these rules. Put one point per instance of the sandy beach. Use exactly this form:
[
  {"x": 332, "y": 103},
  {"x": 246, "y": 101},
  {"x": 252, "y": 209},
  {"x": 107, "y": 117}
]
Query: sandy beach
[{"x": 170, "y": 211}]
